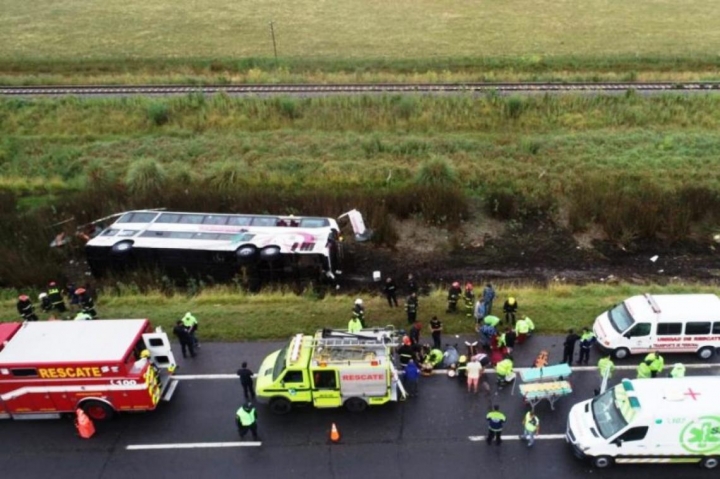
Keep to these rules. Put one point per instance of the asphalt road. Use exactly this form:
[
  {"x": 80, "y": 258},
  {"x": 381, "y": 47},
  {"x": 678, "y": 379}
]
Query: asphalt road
[{"x": 425, "y": 437}]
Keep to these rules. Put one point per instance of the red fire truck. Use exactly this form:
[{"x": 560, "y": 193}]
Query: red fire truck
[{"x": 105, "y": 366}]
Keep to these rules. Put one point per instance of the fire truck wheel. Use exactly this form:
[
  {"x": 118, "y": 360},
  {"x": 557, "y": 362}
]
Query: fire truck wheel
[
  {"x": 97, "y": 410},
  {"x": 355, "y": 405},
  {"x": 280, "y": 406}
]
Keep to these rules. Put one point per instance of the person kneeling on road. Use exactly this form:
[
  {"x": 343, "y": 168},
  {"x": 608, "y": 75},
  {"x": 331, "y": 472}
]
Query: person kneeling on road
[{"x": 504, "y": 371}]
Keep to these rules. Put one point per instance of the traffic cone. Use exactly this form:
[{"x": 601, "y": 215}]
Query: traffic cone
[
  {"x": 334, "y": 434},
  {"x": 84, "y": 425}
]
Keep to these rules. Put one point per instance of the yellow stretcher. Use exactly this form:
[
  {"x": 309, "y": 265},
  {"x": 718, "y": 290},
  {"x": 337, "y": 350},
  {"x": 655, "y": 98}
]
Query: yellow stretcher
[{"x": 552, "y": 391}]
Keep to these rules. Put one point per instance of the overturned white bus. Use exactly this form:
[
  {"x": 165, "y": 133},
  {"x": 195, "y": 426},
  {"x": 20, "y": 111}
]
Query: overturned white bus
[{"x": 222, "y": 246}]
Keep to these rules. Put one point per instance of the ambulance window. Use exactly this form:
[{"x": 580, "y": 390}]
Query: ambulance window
[
  {"x": 716, "y": 328},
  {"x": 156, "y": 342},
  {"x": 640, "y": 329},
  {"x": 325, "y": 380},
  {"x": 293, "y": 377},
  {"x": 697, "y": 328},
  {"x": 24, "y": 373},
  {"x": 669, "y": 329},
  {"x": 634, "y": 434}
]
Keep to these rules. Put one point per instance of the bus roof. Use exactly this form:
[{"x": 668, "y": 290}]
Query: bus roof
[
  {"x": 662, "y": 396},
  {"x": 72, "y": 341}
]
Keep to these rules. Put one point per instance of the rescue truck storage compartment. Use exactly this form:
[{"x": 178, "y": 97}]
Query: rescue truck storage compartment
[{"x": 53, "y": 367}]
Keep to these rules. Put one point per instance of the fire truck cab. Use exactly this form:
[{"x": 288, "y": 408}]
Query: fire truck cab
[
  {"x": 103, "y": 367},
  {"x": 331, "y": 369}
]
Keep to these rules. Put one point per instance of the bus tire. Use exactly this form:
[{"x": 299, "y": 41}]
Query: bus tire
[
  {"x": 602, "y": 462},
  {"x": 706, "y": 353},
  {"x": 621, "y": 353},
  {"x": 280, "y": 406},
  {"x": 710, "y": 462},
  {"x": 355, "y": 405},
  {"x": 270, "y": 253},
  {"x": 246, "y": 254},
  {"x": 97, "y": 410}
]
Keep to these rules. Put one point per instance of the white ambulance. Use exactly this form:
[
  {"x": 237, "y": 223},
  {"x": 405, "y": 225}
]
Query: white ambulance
[
  {"x": 661, "y": 420},
  {"x": 667, "y": 323}
]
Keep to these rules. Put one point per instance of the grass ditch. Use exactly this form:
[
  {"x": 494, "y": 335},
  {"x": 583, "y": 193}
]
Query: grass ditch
[{"x": 228, "y": 314}]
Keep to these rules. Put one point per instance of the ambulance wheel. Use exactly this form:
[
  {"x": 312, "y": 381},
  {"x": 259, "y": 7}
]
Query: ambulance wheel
[
  {"x": 602, "y": 462},
  {"x": 621, "y": 353},
  {"x": 355, "y": 405},
  {"x": 710, "y": 462},
  {"x": 280, "y": 406},
  {"x": 706, "y": 353},
  {"x": 97, "y": 410}
]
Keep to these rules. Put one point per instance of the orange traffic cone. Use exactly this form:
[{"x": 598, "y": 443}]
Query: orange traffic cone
[
  {"x": 334, "y": 434},
  {"x": 84, "y": 425}
]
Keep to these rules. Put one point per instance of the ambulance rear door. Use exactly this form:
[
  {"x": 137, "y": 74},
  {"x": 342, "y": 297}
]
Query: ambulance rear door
[
  {"x": 158, "y": 345},
  {"x": 325, "y": 388}
]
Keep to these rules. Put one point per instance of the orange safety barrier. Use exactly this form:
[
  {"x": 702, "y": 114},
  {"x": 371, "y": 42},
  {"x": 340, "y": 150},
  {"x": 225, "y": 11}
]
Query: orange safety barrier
[
  {"x": 334, "y": 434},
  {"x": 84, "y": 425}
]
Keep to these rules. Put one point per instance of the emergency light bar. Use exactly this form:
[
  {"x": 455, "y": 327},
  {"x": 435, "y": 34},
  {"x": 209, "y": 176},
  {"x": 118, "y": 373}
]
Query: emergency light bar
[
  {"x": 295, "y": 347},
  {"x": 653, "y": 304}
]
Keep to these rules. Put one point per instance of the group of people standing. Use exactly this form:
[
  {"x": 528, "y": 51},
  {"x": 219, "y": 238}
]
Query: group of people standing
[{"x": 52, "y": 302}]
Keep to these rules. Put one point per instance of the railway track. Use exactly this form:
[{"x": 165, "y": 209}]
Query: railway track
[{"x": 309, "y": 89}]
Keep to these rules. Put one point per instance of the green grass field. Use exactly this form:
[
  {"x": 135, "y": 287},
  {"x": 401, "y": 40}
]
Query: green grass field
[
  {"x": 228, "y": 315},
  {"x": 113, "y": 40}
]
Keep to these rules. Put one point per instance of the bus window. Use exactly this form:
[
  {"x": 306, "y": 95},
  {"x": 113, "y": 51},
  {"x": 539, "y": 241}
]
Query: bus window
[
  {"x": 239, "y": 221},
  {"x": 669, "y": 329},
  {"x": 181, "y": 234},
  {"x": 137, "y": 218},
  {"x": 640, "y": 329},
  {"x": 126, "y": 233},
  {"x": 314, "y": 223},
  {"x": 215, "y": 220},
  {"x": 264, "y": 221},
  {"x": 716, "y": 327},
  {"x": 205, "y": 236},
  {"x": 191, "y": 219},
  {"x": 697, "y": 328},
  {"x": 168, "y": 218},
  {"x": 110, "y": 232},
  {"x": 153, "y": 234}
]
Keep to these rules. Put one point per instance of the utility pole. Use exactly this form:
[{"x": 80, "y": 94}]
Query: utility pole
[{"x": 272, "y": 32}]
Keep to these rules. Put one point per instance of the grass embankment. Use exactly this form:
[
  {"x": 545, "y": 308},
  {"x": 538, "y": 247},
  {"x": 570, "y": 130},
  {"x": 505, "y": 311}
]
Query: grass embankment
[
  {"x": 639, "y": 167},
  {"x": 229, "y": 315},
  {"x": 356, "y": 40}
]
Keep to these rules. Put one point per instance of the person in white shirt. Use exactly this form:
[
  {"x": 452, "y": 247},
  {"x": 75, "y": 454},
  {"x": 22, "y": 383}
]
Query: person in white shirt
[{"x": 474, "y": 371}]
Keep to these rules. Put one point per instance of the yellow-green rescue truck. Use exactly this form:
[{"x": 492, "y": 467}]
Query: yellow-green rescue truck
[{"x": 331, "y": 369}]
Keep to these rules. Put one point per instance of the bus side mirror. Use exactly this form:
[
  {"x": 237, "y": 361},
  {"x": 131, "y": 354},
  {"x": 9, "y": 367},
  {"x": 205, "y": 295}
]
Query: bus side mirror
[
  {"x": 618, "y": 442},
  {"x": 627, "y": 335}
]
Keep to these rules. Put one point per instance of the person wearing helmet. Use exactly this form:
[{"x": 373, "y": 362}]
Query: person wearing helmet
[
  {"x": 86, "y": 302},
  {"x": 469, "y": 298},
  {"x": 453, "y": 296},
  {"x": 405, "y": 352},
  {"x": 82, "y": 316},
  {"x": 25, "y": 308},
  {"x": 56, "y": 299},
  {"x": 510, "y": 308},
  {"x": 411, "y": 308},
  {"x": 45, "y": 303},
  {"x": 359, "y": 312},
  {"x": 246, "y": 419}
]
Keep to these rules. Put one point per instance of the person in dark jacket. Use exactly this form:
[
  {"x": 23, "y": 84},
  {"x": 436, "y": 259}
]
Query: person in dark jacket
[
  {"x": 412, "y": 375},
  {"x": 71, "y": 293},
  {"x": 510, "y": 308},
  {"x": 55, "y": 297},
  {"x": 406, "y": 352},
  {"x": 390, "y": 293},
  {"x": 411, "y": 308},
  {"x": 26, "y": 309},
  {"x": 45, "y": 303},
  {"x": 436, "y": 328},
  {"x": 488, "y": 295},
  {"x": 86, "y": 302},
  {"x": 412, "y": 286},
  {"x": 186, "y": 341},
  {"x": 415, "y": 332},
  {"x": 246, "y": 381},
  {"x": 453, "y": 297},
  {"x": 569, "y": 347},
  {"x": 510, "y": 338},
  {"x": 469, "y": 298}
]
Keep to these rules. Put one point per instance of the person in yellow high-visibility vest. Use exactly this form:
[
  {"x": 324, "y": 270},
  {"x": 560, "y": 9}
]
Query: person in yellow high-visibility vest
[
  {"x": 246, "y": 419},
  {"x": 354, "y": 325},
  {"x": 531, "y": 427}
]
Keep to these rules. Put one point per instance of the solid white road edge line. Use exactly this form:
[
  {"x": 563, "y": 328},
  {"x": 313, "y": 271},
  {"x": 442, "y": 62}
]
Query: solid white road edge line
[
  {"x": 514, "y": 437},
  {"x": 444, "y": 371},
  {"x": 191, "y": 445}
]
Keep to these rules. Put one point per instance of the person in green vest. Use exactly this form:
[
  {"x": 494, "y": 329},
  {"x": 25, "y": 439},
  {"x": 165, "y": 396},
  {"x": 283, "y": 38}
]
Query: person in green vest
[
  {"x": 678, "y": 371},
  {"x": 531, "y": 427},
  {"x": 82, "y": 316},
  {"x": 606, "y": 367},
  {"x": 246, "y": 419},
  {"x": 643, "y": 370},
  {"x": 354, "y": 325},
  {"x": 191, "y": 324},
  {"x": 531, "y": 326},
  {"x": 522, "y": 329},
  {"x": 504, "y": 371},
  {"x": 656, "y": 363}
]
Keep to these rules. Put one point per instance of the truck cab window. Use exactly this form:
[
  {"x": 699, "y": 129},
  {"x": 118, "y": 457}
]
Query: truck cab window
[
  {"x": 293, "y": 377},
  {"x": 640, "y": 329},
  {"x": 634, "y": 434},
  {"x": 325, "y": 380}
]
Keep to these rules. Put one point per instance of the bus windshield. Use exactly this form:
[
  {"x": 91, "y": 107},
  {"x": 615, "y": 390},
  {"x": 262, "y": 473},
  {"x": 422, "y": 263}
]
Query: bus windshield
[
  {"x": 280, "y": 363},
  {"x": 606, "y": 413},
  {"x": 620, "y": 318}
]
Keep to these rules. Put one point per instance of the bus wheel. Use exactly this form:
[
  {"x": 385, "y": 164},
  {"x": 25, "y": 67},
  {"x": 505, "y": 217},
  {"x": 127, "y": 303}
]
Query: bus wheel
[
  {"x": 246, "y": 254},
  {"x": 706, "y": 353},
  {"x": 97, "y": 410},
  {"x": 709, "y": 462},
  {"x": 355, "y": 405},
  {"x": 621, "y": 353},
  {"x": 280, "y": 406},
  {"x": 602, "y": 462}
]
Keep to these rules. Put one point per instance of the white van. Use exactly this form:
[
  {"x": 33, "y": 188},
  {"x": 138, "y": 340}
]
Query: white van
[
  {"x": 661, "y": 420},
  {"x": 667, "y": 323}
]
